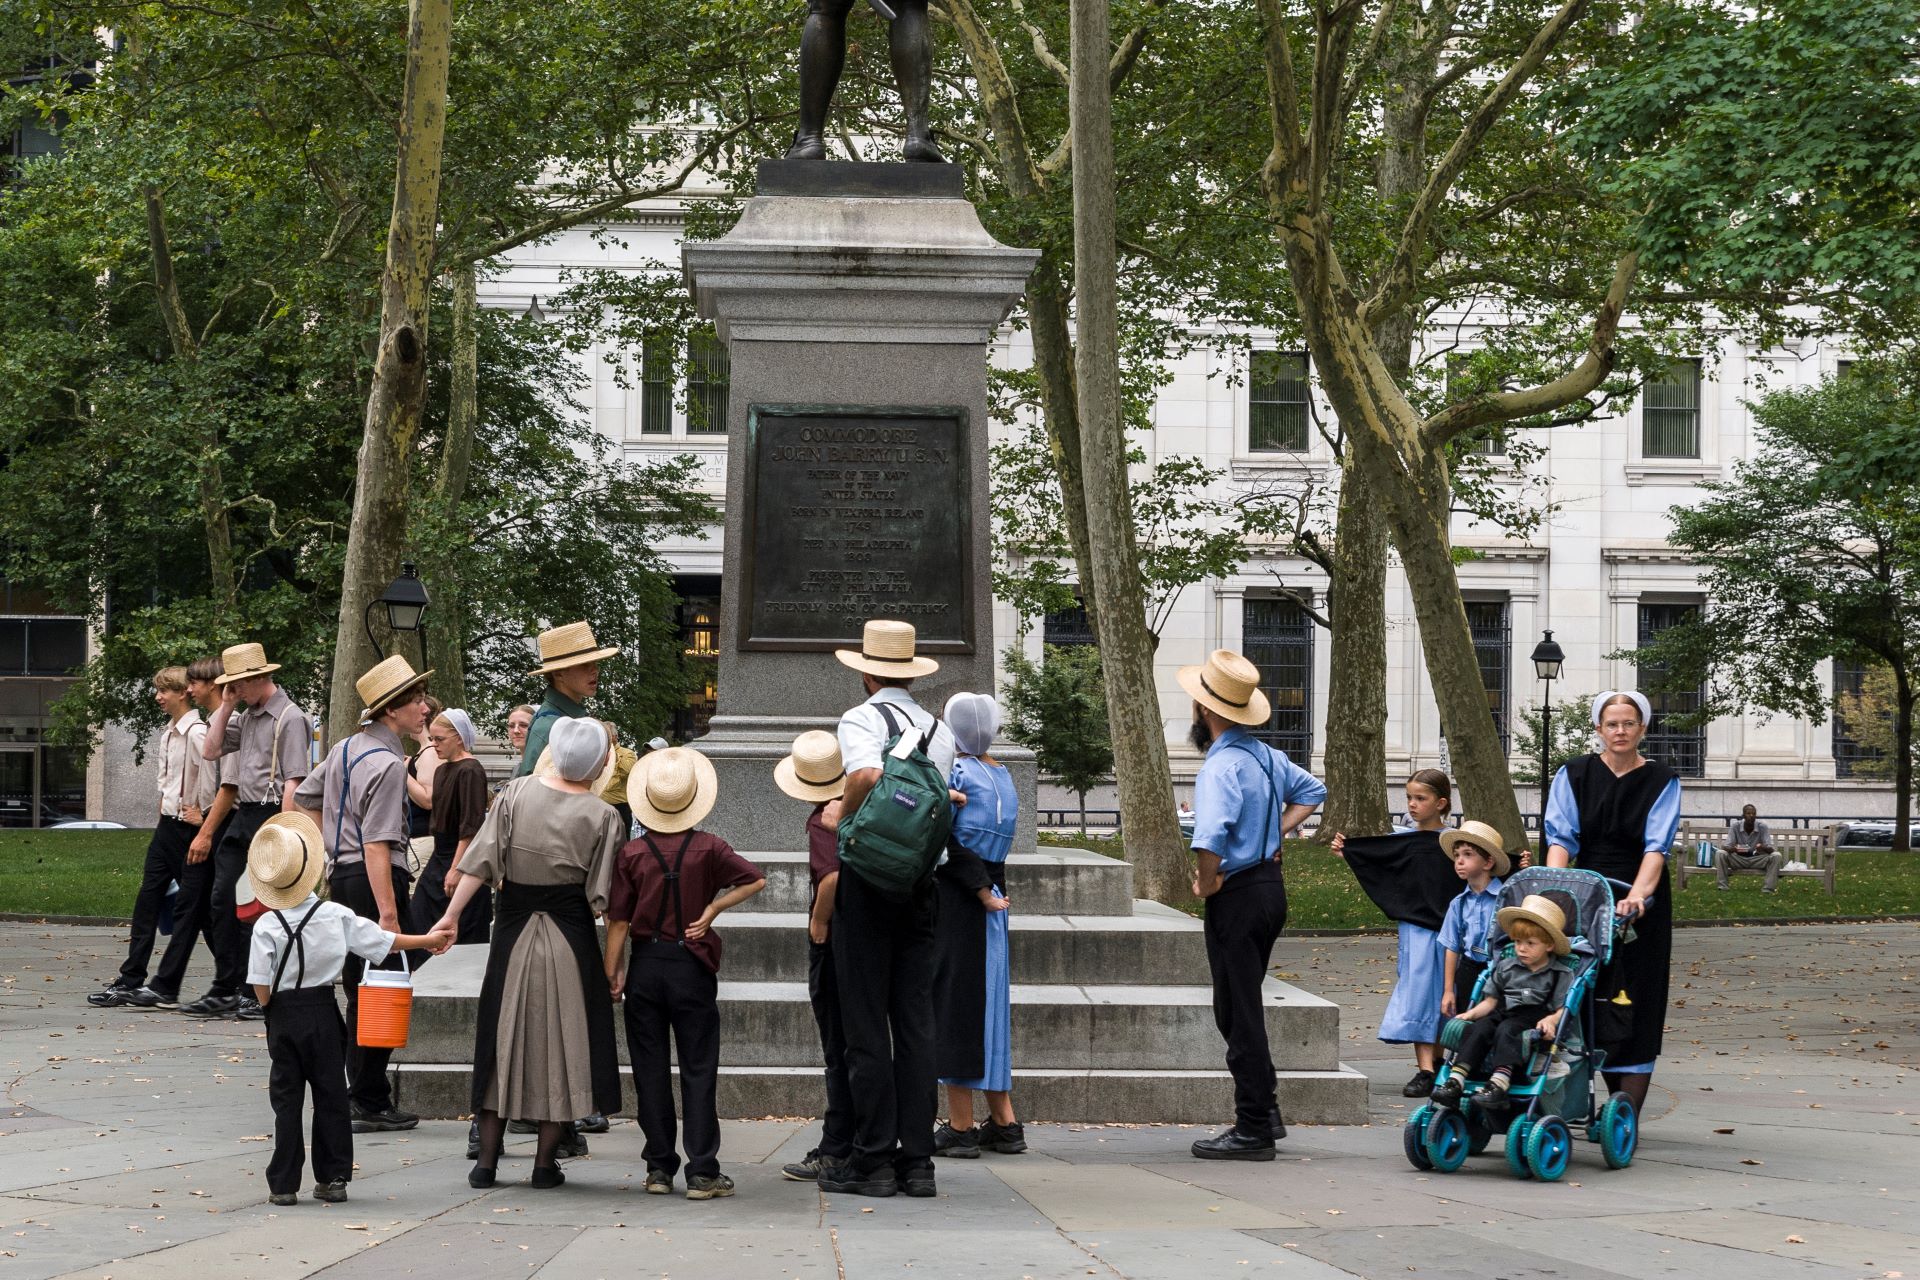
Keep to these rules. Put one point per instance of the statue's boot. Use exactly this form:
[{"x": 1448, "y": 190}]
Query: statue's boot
[
  {"x": 807, "y": 146},
  {"x": 919, "y": 146}
]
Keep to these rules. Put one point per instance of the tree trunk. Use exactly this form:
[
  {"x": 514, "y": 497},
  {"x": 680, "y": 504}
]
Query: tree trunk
[
  {"x": 1147, "y": 815},
  {"x": 1902, "y": 760},
  {"x": 1356, "y": 751},
  {"x": 378, "y": 530},
  {"x": 1053, "y": 361},
  {"x": 446, "y": 651},
  {"x": 211, "y": 485}
]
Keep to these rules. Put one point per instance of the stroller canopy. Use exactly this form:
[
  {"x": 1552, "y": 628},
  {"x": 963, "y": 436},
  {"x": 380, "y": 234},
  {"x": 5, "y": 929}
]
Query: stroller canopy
[{"x": 1592, "y": 899}]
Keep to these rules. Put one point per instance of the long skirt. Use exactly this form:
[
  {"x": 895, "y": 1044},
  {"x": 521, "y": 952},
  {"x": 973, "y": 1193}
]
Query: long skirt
[
  {"x": 996, "y": 1036},
  {"x": 1642, "y": 967},
  {"x": 1413, "y": 1011}
]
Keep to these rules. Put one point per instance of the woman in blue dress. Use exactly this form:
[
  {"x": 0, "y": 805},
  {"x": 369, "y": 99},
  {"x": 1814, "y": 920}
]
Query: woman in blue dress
[
  {"x": 971, "y": 984},
  {"x": 1617, "y": 813},
  {"x": 1413, "y": 1011}
]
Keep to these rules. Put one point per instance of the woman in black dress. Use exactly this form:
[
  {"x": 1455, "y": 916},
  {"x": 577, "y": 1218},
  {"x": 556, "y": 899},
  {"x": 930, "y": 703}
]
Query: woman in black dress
[
  {"x": 1617, "y": 813},
  {"x": 459, "y": 806}
]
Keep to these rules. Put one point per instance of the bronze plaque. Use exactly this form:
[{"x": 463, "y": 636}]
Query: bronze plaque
[{"x": 851, "y": 514}]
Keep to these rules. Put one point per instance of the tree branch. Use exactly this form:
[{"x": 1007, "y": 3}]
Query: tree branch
[
  {"x": 1369, "y": 54},
  {"x": 1279, "y": 174}
]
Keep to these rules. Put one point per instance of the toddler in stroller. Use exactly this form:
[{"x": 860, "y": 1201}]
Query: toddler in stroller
[{"x": 1526, "y": 990}]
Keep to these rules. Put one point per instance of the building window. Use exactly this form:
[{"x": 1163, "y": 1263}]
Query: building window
[
  {"x": 1489, "y": 440},
  {"x": 1277, "y": 402},
  {"x": 1490, "y": 623},
  {"x": 656, "y": 385},
  {"x": 698, "y": 620},
  {"x": 1849, "y": 754},
  {"x": 1682, "y": 750},
  {"x": 1068, "y": 626},
  {"x": 706, "y": 385},
  {"x": 1670, "y": 412},
  {"x": 1277, "y": 637}
]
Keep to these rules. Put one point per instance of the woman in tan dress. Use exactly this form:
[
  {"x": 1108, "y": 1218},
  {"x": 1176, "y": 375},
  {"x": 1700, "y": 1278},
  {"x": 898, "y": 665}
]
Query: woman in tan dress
[{"x": 543, "y": 1045}]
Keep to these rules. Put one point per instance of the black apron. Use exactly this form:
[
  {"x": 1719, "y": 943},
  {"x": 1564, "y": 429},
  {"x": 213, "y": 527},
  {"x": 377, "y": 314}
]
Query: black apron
[
  {"x": 1613, "y": 822},
  {"x": 566, "y": 905},
  {"x": 960, "y": 963}
]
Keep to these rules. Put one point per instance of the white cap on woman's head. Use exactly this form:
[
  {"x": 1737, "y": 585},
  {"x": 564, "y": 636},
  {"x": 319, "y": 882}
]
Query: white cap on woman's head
[
  {"x": 974, "y": 719},
  {"x": 578, "y": 744},
  {"x": 1633, "y": 695},
  {"x": 462, "y": 724}
]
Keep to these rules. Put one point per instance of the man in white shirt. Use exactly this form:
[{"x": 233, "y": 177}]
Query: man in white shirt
[
  {"x": 187, "y": 784},
  {"x": 883, "y": 954}
]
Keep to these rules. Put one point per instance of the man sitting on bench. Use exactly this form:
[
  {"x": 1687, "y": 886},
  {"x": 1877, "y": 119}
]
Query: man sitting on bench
[{"x": 1748, "y": 847}]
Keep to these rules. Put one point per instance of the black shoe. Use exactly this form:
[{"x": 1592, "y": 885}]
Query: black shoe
[
  {"x": 284, "y": 1198},
  {"x": 1003, "y": 1139},
  {"x": 956, "y": 1144},
  {"x": 388, "y": 1121},
  {"x": 806, "y": 1169},
  {"x": 473, "y": 1140},
  {"x": 1493, "y": 1097},
  {"x": 714, "y": 1188},
  {"x": 111, "y": 996},
  {"x": 807, "y": 146},
  {"x": 881, "y": 1183},
  {"x": 920, "y": 147},
  {"x": 546, "y": 1176},
  {"x": 481, "y": 1177},
  {"x": 334, "y": 1192},
  {"x": 595, "y": 1123},
  {"x": 917, "y": 1182},
  {"x": 1420, "y": 1086},
  {"x": 522, "y": 1126},
  {"x": 1234, "y": 1145},
  {"x": 659, "y": 1183},
  {"x": 212, "y": 1006},
  {"x": 165, "y": 1000},
  {"x": 572, "y": 1146},
  {"x": 1448, "y": 1094},
  {"x": 250, "y": 1010}
]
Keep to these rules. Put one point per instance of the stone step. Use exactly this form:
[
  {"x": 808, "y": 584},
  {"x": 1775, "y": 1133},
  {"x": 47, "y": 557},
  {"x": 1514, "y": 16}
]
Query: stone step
[
  {"x": 1055, "y": 1026},
  {"x": 1156, "y": 945},
  {"x": 1054, "y": 882},
  {"x": 441, "y": 1091}
]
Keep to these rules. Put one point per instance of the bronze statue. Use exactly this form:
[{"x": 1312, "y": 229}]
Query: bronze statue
[{"x": 823, "y": 52}]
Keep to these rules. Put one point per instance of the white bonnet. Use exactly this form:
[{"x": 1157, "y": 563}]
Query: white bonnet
[
  {"x": 974, "y": 719},
  {"x": 578, "y": 745},
  {"x": 1639, "y": 700}
]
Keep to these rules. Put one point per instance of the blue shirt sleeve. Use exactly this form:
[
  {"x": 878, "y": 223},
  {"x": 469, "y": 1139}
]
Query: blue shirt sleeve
[
  {"x": 1562, "y": 820},
  {"x": 1216, "y": 799},
  {"x": 1663, "y": 820},
  {"x": 1301, "y": 787},
  {"x": 1453, "y": 926}
]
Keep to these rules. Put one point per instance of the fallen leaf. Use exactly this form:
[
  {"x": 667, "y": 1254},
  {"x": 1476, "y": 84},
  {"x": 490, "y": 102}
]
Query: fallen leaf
[
  {"x": 1753, "y": 1162},
  {"x": 1795, "y": 1240}
]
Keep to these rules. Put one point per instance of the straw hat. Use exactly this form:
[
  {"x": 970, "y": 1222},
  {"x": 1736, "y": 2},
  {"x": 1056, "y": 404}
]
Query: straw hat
[
  {"x": 285, "y": 860},
  {"x": 1229, "y": 686},
  {"x": 672, "y": 790},
  {"x": 1544, "y": 912},
  {"x": 1480, "y": 836},
  {"x": 243, "y": 662},
  {"x": 813, "y": 771},
  {"x": 886, "y": 649},
  {"x": 386, "y": 682},
  {"x": 570, "y": 646}
]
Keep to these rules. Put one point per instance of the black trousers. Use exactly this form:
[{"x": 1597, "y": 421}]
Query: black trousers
[
  {"x": 669, "y": 992},
  {"x": 367, "y": 1082},
  {"x": 232, "y": 936},
  {"x": 883, "y": 958},
  {"x": 166, "y": 862},
  {"x": 430, "y": 901},
  {"x": 192, "y": 919},
  {"x": 307, "y": 1045},
  {"x": 823, "y": 990},
  {"x": 1243, "y": 921},
  {"x": 1501, "y": 1030}
]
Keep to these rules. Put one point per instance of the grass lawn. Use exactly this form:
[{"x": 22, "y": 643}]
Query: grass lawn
[
  {"x": 1322, "y": 893},
  {"x": 71, "y": 873}
]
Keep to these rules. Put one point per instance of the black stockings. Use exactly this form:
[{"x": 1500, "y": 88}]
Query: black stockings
[
  {"x": 1634, "y": 1084},
  {"x": 493, "y": 1135}
]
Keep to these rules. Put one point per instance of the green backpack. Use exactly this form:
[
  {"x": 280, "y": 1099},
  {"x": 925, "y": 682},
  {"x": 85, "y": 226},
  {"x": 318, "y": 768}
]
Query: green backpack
[{"x": 893, "y": 841}]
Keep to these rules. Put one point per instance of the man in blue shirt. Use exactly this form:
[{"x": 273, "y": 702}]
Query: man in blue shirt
[{"x": 1246, "y": 799}]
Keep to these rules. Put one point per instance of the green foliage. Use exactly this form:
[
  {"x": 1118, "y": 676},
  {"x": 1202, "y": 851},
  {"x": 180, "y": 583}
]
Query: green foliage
[
  {"x": 1871, "y": 718},
  {"x": 1059, "y": 709},
  {"x": 1571, "y": 738}
]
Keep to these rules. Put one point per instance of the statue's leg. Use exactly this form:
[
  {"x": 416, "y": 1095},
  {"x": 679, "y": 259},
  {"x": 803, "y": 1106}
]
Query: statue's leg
[
  {"x": 912, "y": 56},
  {"x": 823, "y": 52}
]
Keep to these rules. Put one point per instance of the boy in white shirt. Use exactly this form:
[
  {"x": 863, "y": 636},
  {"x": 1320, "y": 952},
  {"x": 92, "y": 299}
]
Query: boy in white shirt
[{"x": 299, "y": 948}]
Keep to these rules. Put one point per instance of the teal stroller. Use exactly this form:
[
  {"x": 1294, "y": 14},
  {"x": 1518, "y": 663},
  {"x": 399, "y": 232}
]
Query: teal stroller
[{"x": 1562, "y": 1087}]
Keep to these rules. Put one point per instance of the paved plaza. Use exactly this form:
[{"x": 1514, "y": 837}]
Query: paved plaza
[{"x": 1783, "y": 1141}]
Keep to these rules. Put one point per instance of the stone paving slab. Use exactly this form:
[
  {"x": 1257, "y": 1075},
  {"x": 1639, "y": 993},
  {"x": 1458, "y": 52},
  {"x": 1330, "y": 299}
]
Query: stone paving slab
[{"x": 113, "y": 1119}]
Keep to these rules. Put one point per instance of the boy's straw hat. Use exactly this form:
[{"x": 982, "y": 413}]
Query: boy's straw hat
[
  {"x": 813, "y": 771},
  {"x": 243, "y": 662},
  {"x": 570, "y": 646},
  {"x": 1544, "y": 912},
  {"x": 285, "y": 860},
  {"x": 1478, "y": 835},
  {"x": 386, "y": 682},
  {"x": 672, "y": 790}
]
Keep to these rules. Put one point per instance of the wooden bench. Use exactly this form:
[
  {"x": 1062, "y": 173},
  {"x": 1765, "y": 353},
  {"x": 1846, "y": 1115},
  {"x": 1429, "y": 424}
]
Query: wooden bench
[{"x": 1810, "y": 845}]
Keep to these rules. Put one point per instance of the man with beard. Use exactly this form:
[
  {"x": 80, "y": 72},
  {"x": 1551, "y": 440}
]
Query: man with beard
[{"x": 1246, "y": 799}]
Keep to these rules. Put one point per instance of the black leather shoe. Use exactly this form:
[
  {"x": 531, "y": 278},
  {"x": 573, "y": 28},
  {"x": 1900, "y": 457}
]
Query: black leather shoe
[
  {"x": 1420, "y": 1086},
  {"x": 956, "y": 1144},
  {"x": 481, "y": 1177},
  {"x": 212, "y": 1006},
  {"x": 1448, "y": 1094},
  {"x": 111, "y": 996},
  {"x": 595, "y": 1123},
  {"x": 388, "y": 1121},
  {"x": 1234, "y": 1145},
  {"x": 807, "y": 146},
  {"x": 473, "y": 1140},
  {"x": 917, "y": 1182},
  {"x": 250, "y": 1010},
  {"x": 844, "y": 1178},
  {"x": 806, "y": 1169},
  {"x": 546, "y": 1177},
  {"x": 334, "y": 1192},
  {"x": 1005, "y": 1139},
  {"x": 571, "y": 1146}
]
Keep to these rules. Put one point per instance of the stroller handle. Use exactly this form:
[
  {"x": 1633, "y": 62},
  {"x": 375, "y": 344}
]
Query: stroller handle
[{"x": 1622, "y": 888}]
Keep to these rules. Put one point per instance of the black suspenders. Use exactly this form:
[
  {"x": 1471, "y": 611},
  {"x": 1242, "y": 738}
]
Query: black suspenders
[
  {"x": 294, "y": 942},
  {"x": 672, "y": 875}
]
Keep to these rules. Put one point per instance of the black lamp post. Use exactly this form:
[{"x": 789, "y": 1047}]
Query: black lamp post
[
  {"x": 1547, "y": 659},
  {"x": 406, "y": 602},
  {"x": 533, "y": 311}
]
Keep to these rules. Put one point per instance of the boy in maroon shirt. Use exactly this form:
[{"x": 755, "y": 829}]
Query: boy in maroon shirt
[
  {"x": 668, "y": 888},
  {"x": 813, "y": 772}
]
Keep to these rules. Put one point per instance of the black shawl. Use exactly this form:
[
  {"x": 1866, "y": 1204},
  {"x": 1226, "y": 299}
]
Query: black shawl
[{"x": 1406, "y": 875}]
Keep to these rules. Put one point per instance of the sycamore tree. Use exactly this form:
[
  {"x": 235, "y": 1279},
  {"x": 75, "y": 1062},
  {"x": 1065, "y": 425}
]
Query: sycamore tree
[{"x": 1799, "y": 573}]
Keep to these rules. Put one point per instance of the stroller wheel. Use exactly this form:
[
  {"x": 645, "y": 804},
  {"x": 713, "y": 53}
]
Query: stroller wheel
[
  {"x": 1619, "y": 1131},
  {"x": 1517, "y": 1146},
  {"x": 1413, "y": 1137},
  {"x": 1446, "y": 1139},
  {"x": 1549, "y": 1147}
]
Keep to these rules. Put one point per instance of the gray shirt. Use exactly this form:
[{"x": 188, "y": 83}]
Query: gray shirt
[
  {"x": 360, "y": 792},
  {"x": 1512, "y": 984},
  {"x": 863, "y": 732},
  {"x": 1742, "y": 840},
  {"x": 325, "y": 942},
  {"x": 265, "y": 747}
]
